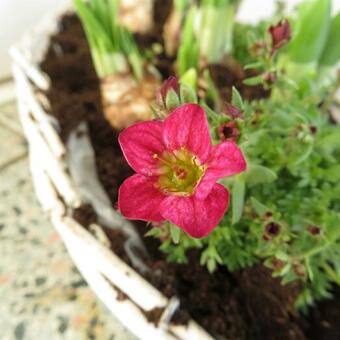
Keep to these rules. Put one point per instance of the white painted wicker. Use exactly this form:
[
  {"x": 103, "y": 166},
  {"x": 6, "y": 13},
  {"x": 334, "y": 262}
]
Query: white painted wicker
[
  {"x": 104, "y": 271},
  {"x": 57, "y": 192}
]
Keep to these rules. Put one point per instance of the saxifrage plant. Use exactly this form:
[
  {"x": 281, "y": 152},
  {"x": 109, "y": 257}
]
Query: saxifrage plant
[{"x": 285, "y": 204}]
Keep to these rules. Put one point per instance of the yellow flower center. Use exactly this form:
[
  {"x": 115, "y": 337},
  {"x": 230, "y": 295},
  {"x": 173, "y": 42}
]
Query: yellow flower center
[{"x": 179, "y": 172}]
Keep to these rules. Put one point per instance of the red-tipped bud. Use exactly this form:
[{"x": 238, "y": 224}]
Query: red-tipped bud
[
  {"x": 228, "y": 131},
  {"x": 232, "y": 111},
  {"x": 313, "y": 130},
  {"x": 299, "y": 269},
  {"x": 277, "y": 264},
  {"x": 280, "y": 33},
  {"x": 314, "y": 230},
  {"x": 272, "y": 229},
  {"x": 268, "y": 215},
  {"x": 171, "y": 83},
  {"x": 269, "y": 77}
]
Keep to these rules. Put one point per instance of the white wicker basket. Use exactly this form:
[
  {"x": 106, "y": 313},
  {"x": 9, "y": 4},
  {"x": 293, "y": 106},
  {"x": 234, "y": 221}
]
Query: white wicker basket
[{"x": 57, "y": 192}]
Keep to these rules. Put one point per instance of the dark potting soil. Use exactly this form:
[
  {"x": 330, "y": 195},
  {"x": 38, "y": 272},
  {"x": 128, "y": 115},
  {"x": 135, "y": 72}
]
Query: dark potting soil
[{"x": 248, "y": 304}]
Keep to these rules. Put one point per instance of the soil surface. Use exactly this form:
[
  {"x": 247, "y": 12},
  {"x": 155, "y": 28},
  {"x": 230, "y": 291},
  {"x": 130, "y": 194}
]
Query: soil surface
[{"x": 248, "y": 304}]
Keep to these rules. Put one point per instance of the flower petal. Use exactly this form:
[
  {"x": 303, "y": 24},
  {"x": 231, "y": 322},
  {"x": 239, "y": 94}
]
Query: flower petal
[
  {"x": 139, "y": 199},
  {"x": 197, "y": 217},
  {"x": 226, "y": 160},
  {"x": 187, "y": 126},
  {"x": 139, "y": 142}
]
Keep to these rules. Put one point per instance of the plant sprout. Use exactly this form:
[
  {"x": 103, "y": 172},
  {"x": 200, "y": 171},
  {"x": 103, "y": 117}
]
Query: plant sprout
[
  {"x": 112, "y": 46},
  {"x": 207, "y": 35}
]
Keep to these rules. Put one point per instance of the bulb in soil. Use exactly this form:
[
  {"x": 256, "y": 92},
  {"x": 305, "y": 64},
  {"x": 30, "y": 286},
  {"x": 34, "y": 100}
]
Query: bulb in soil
[
  {"x": 136, "y": 15},
  {"x": 126, "y": 101}
]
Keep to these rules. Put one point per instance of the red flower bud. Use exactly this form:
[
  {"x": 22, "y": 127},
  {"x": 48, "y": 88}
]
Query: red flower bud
[
  {"x": 232, "y": 111},
  {"x": 277, "y": 264},
  {"x": 281, "y": 34},
  {"x": 171, "y": 83},
  {"x": 313, "y": 130},
  {"x": 314, "y": 230},
  {"x": 228, "y": 131},
  {"x": 268, "y": 215},
  {"x": 270, "y": 77}
]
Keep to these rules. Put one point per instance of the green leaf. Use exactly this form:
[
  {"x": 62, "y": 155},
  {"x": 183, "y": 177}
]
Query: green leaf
[
  {"x": 175, "y": 233},
  {"x": 259, "y": 208},
  {"x": 253, "y": 66},
  {"x": 331, "y": 51},
  {"x": 188, "y": 52},
  {"x": 309, "y": 269},
  {"x": 180, "y": 5},
  {"x": 258, "y": 174},
  {"x": 332, "y": 174},
  {"x": 300, "y": 153},
  {"x": 289, "y": 276},
  {"x": 189, "y": 78},
  {"x": 236, "y": 98},
  {"x": 188, "y": 94},
  {"x": 238, "y": 195},
  {"x": 212, "y": 91},
  {"x": 331, "y": 140},
  {"x": 212, "y": 115},
  {"x": 282, "y": 256},
  {"x": 171, "y": 100},
  {"x": 153, "y": 232},
  {"x": 252, "y": 81},
  {"x": 211, "y": 258},
  {"x": 311, "y": 31},
  {"x": 216, "y": 29},
  {"x": 211, "y": 265}
]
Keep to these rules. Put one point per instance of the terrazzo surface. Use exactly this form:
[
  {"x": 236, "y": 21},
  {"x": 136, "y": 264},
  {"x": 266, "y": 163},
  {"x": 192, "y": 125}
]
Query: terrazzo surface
[{"x": 42, "y": 294}]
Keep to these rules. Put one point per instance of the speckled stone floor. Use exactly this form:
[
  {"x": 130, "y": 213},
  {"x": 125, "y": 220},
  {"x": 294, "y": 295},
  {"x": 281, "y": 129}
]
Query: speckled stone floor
[{"x": 41, "y": 292}]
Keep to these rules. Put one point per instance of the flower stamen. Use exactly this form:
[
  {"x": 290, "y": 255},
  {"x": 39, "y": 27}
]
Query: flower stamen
[{"x": 179, "y": 172}]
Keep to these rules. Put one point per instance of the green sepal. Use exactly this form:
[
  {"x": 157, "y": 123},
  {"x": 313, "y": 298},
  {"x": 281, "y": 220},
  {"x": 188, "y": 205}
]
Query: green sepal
[
  {"x": 259, "y": 208},
  {"x": 236, "y": 99},
  {"x": 259, "y": 174},
  {"x": 175, "y": 233},
  {"x": 171, "y": 101}
]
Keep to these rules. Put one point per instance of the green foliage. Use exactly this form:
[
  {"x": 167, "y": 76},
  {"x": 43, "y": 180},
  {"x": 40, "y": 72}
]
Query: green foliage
[
  {"x": 331, "y": 52},
  {"x": 216, "y": 29},
  {"x": 112, "y": 47},
  {"x": 188, "y": 52},
  {"x": 315, "y": 47},
  {"x": 236, "y": 99},
  {"x": 181, "y": 5},
  {"x": 310, "y": 32},
  {"x": 292, "y": 149},
  {"x": 207, "y": 34},
  {"x": 238, "y": 194}
]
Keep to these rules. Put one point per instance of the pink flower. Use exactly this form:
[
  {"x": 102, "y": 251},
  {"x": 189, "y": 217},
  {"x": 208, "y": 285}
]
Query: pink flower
[{"x": 177, "y": 169}]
